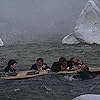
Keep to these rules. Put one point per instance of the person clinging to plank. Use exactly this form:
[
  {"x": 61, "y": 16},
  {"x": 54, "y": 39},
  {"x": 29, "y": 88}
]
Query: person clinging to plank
[
  {"x": 11, "y": 66},
  {"x": 83, "y": 72},
  {"x": 82, "y": 69},
  {"x": 39, "y": 65},
  {"x": 73, "y": 63},
  {"x": 64, "y": 65},
  {"x": 60, "y": 65},
  {"x": 76, "y": 64}
]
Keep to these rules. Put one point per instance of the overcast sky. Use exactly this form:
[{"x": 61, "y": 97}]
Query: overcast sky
[{"x": 39, "y": 15}]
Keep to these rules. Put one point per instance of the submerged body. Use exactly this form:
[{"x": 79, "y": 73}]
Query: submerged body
[{"x": 83, "y": 73}]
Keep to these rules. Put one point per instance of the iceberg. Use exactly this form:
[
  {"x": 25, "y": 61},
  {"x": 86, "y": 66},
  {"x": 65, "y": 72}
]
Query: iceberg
[
  {"x": 88, "y": 97},
  {"x": 1, "y": 42},
  {"x": 87, "y": 27}
]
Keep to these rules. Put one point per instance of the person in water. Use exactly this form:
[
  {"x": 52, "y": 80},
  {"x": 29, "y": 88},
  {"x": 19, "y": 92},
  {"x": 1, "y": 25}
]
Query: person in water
[
  {"x": 73, "y": 63},
  {"x": 11, "y": 67},
  {"x": 61, "y": 65},
  {"x": 83, "y": 68},
  {"x": 39, "y": 65},
  {"x": 83, "y": 72}
]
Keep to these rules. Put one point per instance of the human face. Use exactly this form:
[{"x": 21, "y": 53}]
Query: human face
[
  {"x": 14, "y": 66},
  {"x": 74, "y": 60},
  {"x": 39, "y": 63},
  {"x": 64, "y": 63}
]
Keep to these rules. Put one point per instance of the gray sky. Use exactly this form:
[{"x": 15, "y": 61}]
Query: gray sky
[{"x": 41, "y": 16}]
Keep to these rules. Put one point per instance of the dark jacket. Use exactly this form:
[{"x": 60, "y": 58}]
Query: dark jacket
[
  {"x": 70, "y": 64},
  {"x": 56, "y": 67},
  {"x": 8, "y": 69},
  {"x": 34, "y": 67}
]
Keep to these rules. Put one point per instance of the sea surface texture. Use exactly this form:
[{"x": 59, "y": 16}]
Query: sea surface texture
[{"x": 48, "y": 87}]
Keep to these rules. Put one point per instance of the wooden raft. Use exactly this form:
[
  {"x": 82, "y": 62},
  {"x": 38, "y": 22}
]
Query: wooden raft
[{"x": 33, "y": 73}]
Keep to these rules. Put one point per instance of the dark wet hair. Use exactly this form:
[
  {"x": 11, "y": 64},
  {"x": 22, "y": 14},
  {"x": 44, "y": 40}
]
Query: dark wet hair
[
  {"x": 11, "y": 62},
  {"x": 62, "y": 59},
  {"x": 71, "y": 59},
  {"x": 41, "y": 59}
]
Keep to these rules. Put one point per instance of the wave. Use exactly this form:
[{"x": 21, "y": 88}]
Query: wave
[
  {"x": 1, "y": 42},
  {"x": 87, "y": 27}
]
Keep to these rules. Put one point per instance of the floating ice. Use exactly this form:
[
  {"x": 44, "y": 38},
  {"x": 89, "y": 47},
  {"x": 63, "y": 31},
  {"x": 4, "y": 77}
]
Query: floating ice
[
  {"x": 87, "y": 28},
  {"x": 1, "y": 42},
  {"x": 88, "y": 97}
]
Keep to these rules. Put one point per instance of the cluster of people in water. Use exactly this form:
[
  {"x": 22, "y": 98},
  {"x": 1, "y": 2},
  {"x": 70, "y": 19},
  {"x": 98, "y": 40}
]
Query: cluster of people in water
[{"x": 74, "y": 64}]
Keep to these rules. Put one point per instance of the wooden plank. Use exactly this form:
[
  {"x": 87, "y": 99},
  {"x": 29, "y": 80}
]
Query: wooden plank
[
  {"x": 94, "y": 69},
  {"x": 33, "y": 73},
  {"x": 25, "y": 74}
]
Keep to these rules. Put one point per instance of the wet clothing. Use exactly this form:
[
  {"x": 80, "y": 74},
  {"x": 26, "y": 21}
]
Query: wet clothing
[
  {"x": 56, "y": 67},
  {"x": 83, "y": 76},
  {"x": 70, "y": 64},
  {"x": 44, "y": 67},
  {"x": 9, "y": 69}
]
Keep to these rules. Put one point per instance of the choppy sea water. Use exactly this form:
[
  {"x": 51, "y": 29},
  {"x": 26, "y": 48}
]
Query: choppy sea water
[{"x": 48, "y": 87}]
